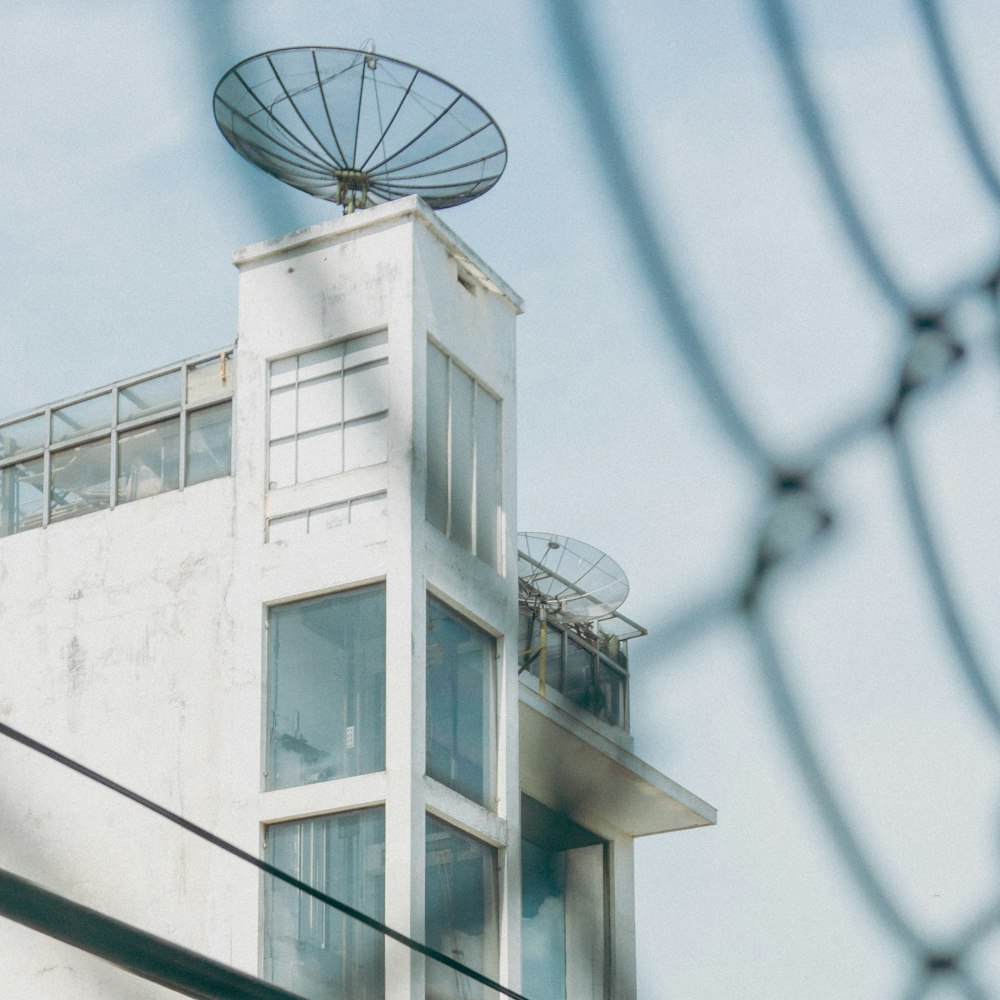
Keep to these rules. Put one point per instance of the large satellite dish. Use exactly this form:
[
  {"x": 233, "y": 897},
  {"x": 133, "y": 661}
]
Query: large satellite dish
[
  {"x": 358, "y": 128},
  {"x": 574, "y": 581}
]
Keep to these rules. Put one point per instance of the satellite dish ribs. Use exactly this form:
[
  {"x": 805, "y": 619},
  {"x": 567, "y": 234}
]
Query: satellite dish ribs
[
  {"x": 357, "y": 128},
  {"x": 569, "y": 580}
]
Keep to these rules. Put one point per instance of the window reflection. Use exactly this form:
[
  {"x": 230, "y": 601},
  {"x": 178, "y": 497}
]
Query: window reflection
[
  {"x": 564, "y": 912},
  {"x": 149, "y": 396},
  {"x": 587, "y": 667},
  {"x": 65, "y": 460},
  {"x": 80, "y": 480},
  {"x": 81, "y": 418},
  {"x": 310, "y": 948},
  {"x": 461, "y": 915},
  {"x": 22, "y": 496},
  {"x": 209, "y": 443},
  {"x": 148, "y": 460},
  {"x": 463, "y": 457},
  {"x": 461, "y": 736},
  {"x": 326, "y": 688}
]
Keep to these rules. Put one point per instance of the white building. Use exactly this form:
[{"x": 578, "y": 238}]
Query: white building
[{"x": 275, "y": 589}]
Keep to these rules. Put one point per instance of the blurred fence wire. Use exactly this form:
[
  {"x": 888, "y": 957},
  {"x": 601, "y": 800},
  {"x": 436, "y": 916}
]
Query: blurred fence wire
[{"x": 933, "y": 349}]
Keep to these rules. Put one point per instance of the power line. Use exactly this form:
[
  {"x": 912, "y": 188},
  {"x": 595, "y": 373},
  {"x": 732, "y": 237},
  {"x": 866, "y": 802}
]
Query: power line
[{"x": 18, "y": 737}]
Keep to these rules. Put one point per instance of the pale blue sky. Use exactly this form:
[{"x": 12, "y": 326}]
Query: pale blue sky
[{"x": 121, "y": 206}]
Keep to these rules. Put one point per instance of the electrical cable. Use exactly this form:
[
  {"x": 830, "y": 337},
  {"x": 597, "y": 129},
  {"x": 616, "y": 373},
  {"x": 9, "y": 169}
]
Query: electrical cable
[{"x": 18, "y": 737}]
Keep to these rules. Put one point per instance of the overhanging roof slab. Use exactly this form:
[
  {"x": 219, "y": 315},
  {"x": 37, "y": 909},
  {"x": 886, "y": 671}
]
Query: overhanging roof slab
[{"x": 576, "y": 771}]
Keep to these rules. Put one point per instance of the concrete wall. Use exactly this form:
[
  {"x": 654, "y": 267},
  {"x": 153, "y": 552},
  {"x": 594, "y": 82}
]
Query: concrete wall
[{"x": 133, "y": 639}]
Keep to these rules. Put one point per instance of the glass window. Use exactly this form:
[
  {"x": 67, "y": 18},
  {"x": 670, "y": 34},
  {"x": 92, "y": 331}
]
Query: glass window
[
  {"x": 209, "y": 443},
  {"x": 149, "y": 460},
  {"x": 366, "y": 391},
  {"x": 548, "y": 668},
  {"x": 437, "y": 438},
  {"x": 543, "y": 922},
  {"x": 210, "y": 379},
  {"x": 21, "y": 496},
  {"x": 611, "y": 695},
  {"x": 326, "y": 688},
  {"x": 22, "y": 436},
  {"x": 320, "y": 403},
  {"x": 310, "y": 948},
  {"x": 145, "y": 459},
  {"x": 463, "y": 457},
  {"x": 361, "y": 350},
  {"x": 80, "y": 480},
  {"x": 563, "y": 907},
  {"x": 463, "y": 454},
  {"x": 81, "y": 418},
  {"x": 328, "y": 411},
  {"x": 282, "y": 413},
  {"x": 487, "y": 477},
  {"x": 151, "y": 396},
  {"x": 579, "y": 681},
  {"x": 366, "y": 442},
  {"x": 461, "y": 915},
  {"x": 590, "y": 670},
  {"x": 319, "y": 454},
  {"x": 461, "y": 729}
]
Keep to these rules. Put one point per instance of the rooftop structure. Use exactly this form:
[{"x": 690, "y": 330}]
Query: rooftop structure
[{"x": 278, "y": 588}]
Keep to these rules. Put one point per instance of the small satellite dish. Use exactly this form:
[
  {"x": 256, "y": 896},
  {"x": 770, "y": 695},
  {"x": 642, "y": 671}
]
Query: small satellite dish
[
  {"x": 574, "y": 581},
  {"x": 358, "y": 128}
]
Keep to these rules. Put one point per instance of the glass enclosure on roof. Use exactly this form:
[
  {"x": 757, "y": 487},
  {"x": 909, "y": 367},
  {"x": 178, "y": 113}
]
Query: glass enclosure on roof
[
  {"x": 137, "y": 438},
  {"x": 585, "y": 665}
]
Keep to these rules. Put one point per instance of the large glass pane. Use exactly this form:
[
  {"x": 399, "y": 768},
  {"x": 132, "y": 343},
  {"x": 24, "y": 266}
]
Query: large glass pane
[
  {"x": 22, "y": 436},
  {"x": 320, "y": 403},
  {"x": 320, "y": 454},
  {"x": 283, "y": 372},
  {"x": 460, "y": 704},
  {"x": 366, "y": 391},
  {"x": 543, "y": 922},
  {"x": 610, "y": 695},
  {"x": 281, "y": 464},
  {"x": 309, "y": 948},
  {"x": 209, "y": 443},
  {"x": 579, "y": 677},
  {"x": 150, "y": 396},
  {"x": 461, "y": 457},
  {"x": 360, "y": 350},
  {"x": 81, "y": 480},
  {"x": 210, "y": 379},
  {"x": 487, "y": 477},
  {"x": 149, "y": 460},
  {"x": 563, "y": 907},
  {"x": 81, "y": 418},
  {"x": 366, "y": 442},
  {"x": 437, "y": 438},
  {"x": 326, "y": 688},
  {"x": 322, "y": 361},
  {"x": 22, "y": 499},
  {"x": 461, "y": 911},
  {"x": 282, "y": 423}
]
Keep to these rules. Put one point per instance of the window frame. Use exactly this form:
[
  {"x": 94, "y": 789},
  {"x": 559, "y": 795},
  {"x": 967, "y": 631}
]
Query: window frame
[
  {"x": 293, "y": 388},
  {"x": 269, "y": 885},
  {"x": 491, "y": 714},
  {"x": 53, "y": 445},
  {"x": 269, "y": 679},
  {"x": 450, "y": 529}
]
